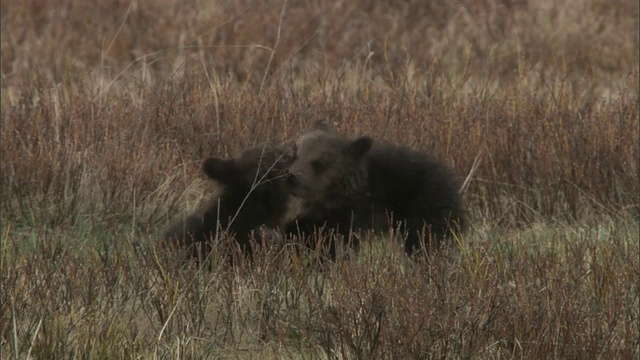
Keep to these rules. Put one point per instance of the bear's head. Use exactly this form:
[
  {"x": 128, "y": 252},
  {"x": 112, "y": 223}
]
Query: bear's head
[
  {"x": 260, "y": 171},
  {"x": 328, "y": 168}
]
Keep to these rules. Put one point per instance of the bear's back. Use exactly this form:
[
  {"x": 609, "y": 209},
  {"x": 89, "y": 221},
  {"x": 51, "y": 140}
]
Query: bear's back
[{"x": 411, "y": 183}]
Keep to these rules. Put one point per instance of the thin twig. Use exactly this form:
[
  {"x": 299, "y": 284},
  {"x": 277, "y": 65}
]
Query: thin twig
[
  {"x": 275, "y": 46},
  {"x": 474, "y": 167}
]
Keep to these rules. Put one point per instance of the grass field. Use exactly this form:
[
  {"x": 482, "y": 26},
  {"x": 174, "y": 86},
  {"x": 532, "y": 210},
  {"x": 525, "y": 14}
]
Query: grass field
[{"x": 109, "y": 107}]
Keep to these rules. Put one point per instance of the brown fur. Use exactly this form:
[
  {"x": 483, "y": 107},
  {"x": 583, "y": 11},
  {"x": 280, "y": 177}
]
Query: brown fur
[
  {"x": 354, "y": 184},
  {"x": 254, "y": 193}
]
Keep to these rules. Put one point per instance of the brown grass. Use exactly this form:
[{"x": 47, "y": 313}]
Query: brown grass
[{"x": 109, "y": 107}]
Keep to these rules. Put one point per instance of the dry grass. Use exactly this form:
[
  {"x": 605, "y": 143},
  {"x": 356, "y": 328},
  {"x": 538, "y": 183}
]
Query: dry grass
[
  {"x": 108, "y": 108},
  {"x": 551, "y": 292}
]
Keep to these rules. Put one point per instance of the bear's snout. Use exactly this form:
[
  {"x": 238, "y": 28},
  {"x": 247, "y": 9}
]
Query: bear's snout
[
  {"x": 295, "y": 186},
  {"x": 293, "y": 181}
]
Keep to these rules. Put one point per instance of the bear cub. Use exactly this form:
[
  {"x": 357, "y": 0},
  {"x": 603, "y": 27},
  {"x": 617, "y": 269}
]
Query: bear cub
[
  {"x": 348, "y": 185},
  {"x": 255, "y": 193}
]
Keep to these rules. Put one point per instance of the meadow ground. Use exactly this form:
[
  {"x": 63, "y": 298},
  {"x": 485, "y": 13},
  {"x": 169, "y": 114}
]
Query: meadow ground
[{"x": 109, "y": 107}]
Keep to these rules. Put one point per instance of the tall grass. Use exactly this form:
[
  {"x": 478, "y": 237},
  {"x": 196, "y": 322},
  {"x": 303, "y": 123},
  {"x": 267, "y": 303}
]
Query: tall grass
[
  {"x": 550, "y": 292},
  {"x": 109, "y": 107}
]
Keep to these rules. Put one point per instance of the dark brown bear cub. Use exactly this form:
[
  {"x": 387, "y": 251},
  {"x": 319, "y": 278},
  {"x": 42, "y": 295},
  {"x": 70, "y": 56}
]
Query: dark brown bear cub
[
  {"x": 254, "y": 193},
  {"x": 356, "y": 184}
]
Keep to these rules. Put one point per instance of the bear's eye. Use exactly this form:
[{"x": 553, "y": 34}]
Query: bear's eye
[{"x": 318, "y": 166}]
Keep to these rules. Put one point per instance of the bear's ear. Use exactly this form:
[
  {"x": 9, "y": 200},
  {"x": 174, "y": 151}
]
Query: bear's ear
[
  {"x": 223, "y": 171},
  {"x": 360, "y": 146}
]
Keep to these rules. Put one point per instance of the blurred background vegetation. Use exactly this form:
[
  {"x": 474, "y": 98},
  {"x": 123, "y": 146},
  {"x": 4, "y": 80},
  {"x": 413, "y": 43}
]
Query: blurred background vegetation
[{"x": 109, "y": 106}]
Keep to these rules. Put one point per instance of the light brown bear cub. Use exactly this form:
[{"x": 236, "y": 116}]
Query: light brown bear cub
[{"x": 355, "y": 184}]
